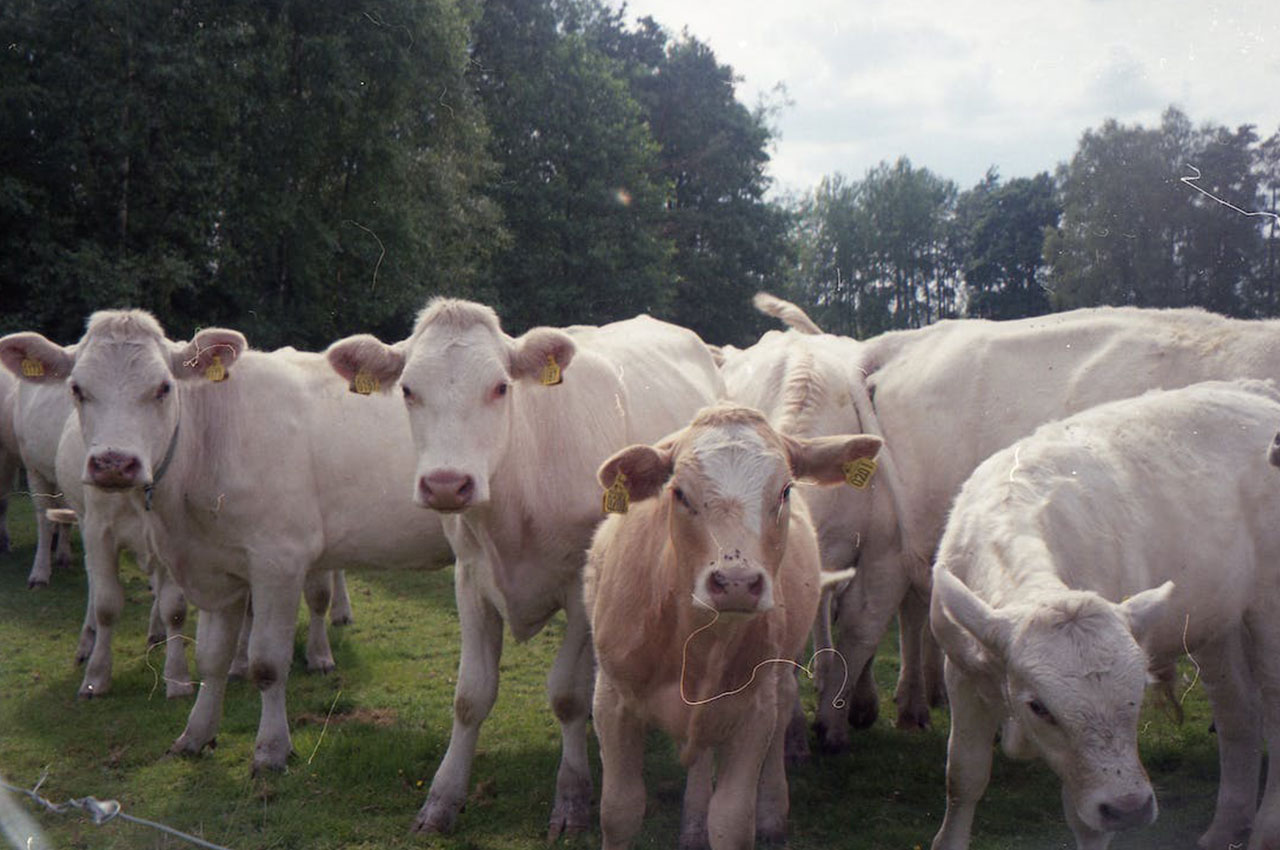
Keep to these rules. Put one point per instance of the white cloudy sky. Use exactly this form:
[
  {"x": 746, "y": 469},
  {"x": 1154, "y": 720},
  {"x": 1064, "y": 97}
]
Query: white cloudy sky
[{"x": 961, "y": 85}]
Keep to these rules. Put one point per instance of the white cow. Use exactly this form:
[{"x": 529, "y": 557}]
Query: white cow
[
  {"x": 10, "y": 459},
  {"x": 510, "y": 463},
  {"x": 246, "y": 472},
  {"x": 713, "y": 532},
  {"x": 39, "y": 412},
  {"x": 944, "y": 398},
  {"x": 1099, "y": 548}
]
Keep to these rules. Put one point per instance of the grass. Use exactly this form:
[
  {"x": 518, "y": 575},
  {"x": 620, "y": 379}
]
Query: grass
[{"x": 369, "y": 736}]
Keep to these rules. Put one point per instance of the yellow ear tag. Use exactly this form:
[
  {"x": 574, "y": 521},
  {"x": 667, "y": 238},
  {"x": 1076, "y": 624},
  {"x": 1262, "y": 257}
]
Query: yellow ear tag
[
  {"x": 616, "y": 497},
  {"x": 215, "y": 371},
  {"x": 32, "y": 368},
  {"x": 858, "y": 472},
  {"x": 365, "y": 383},
  {"x": 551, "y": 376}
]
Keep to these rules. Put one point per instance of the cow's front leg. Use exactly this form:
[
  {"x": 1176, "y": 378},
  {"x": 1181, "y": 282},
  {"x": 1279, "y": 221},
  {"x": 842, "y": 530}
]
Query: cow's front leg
[
  {"x": 1264, "y": 656},
  {"x": 969, "y": 745},
  {"x": 773, "y": 800},
  {"x": 569, "y": 686},
  {"x": 698, "y": 782},
  {"x": 215, "y": 642},
  {"x": 621, "y": 736},
  {"x": 275, "y": 612},
  {"x": 472, "y": 701},
  {"x": 106, "y": 602},
  {"x": 731, "y": 815}
]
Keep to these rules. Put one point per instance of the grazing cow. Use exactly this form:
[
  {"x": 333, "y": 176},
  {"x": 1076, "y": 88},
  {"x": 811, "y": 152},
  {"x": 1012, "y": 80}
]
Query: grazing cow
[
  {"x": 725, "y": 538},
  {"x": 245, "y": 472},
  {"x": 944, "y": 398},
  {"x": 39, "y": 412},
  {"x": 509, "y": 434},
  {"x": 10, "y": 459},
  {"x": 1098, "y": 549}
]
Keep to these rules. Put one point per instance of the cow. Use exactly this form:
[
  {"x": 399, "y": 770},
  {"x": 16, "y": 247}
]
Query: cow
[
  {"x": 1081, "y": 558},
  {"x": 711, "y": 529},
  {"x": 246, "y": 472},
  {"x": 39, "y": 412},
  {"x": 10, "y": 459},
  {"x": 509, "y": 433},
  {"x": 943, "y": 398}
]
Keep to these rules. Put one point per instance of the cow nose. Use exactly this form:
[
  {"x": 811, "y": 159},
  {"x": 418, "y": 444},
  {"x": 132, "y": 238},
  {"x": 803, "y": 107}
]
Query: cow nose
[
  {"x": 446, "y": 490},
  {"x": 114, "y": 469},
  {"x": 735, "y": 588},
  {"x": 1137, "y": 809}
]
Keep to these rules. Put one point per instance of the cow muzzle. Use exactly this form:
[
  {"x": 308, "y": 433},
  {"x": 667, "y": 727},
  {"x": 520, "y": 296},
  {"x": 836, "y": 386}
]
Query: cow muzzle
[
  {"x": 446, "y": 491},
  {"x": 113, "y": 470},
  {"x": 1127, "y": 811},
  {"x": 739, "y": 590}
]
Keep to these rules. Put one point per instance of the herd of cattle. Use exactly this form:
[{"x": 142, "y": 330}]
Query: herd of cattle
[{"x": 1055, "y": 508}]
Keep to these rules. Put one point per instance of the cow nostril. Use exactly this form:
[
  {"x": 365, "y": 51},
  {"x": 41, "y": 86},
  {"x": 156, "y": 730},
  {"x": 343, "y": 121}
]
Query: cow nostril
[
  {"x": 718, "y": 582},
  {"x": 467, "y": 487}
]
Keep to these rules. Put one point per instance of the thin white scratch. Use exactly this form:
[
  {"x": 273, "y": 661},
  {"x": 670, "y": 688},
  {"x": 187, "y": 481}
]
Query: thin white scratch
[{"x": 1190, "y": 180}]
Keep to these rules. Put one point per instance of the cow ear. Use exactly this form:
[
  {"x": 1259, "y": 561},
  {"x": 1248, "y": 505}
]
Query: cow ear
[
  {"x": 823, "y": 459},
  {"x": 541, "y": 354},
  {"x": 209, "y": 355},
  {"x": 964, "y": 608},
  {"x": 366, "y": 362},
  {"x": 1146, "y": 609},
  {"x": 34, "y": 358},
  {"x": 644, "y": 469}
]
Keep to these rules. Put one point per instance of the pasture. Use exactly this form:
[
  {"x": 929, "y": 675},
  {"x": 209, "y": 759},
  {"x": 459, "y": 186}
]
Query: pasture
[{"x": 368, "y": 737}]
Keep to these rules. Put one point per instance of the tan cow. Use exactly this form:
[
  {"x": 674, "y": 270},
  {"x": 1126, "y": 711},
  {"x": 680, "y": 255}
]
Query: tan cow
[{"x": 691, "y": 594}]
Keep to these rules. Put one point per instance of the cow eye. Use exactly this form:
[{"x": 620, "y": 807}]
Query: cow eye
[
  {"x": 77, "y": 393},
  {"x": 408, "y": 393},
  {"x": 162, "y": 391},
  {"x": 786, "y": 494},
  {"x": 500, "y": 390},
  {"x": 679, "y": 496},
  {"x": 1038, "y": 709}
]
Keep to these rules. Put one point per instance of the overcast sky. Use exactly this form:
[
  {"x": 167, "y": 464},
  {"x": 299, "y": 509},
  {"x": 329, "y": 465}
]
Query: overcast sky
[{"x": 961, "y": 85}]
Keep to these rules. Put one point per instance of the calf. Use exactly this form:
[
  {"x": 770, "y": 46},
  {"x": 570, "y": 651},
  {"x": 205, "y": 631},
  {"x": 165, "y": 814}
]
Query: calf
[
  {"x": 509, "y": 434},
  {"x": 724, "y": 539},
  {"x": 1090, "y": 553}
]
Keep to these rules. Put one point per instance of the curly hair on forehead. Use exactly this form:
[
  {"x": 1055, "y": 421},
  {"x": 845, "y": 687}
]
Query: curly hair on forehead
[
  {"x": 122, "y": 325},
  {"x": 456, "y": 313}
]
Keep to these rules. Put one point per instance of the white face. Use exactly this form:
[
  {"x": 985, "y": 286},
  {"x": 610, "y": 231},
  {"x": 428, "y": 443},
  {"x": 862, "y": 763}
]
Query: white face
[
  {"x": 124, "y": 396},
  {"x": 730, "y": 511},
  {"x": 457, "y": 391},
  {"x": 1075, "y": 689}
]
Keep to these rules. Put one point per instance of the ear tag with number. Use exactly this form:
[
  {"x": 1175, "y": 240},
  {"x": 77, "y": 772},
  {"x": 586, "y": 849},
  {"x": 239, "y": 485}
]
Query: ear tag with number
[
  {"x": 215, "y": 371},
  {"x": 858, "y": 472},
  {"x": 616, "y": 496},
  {"x": 365, "y": 383},
  {"x": 32, "y": 368},
  {"x": 551, "y": 372}
]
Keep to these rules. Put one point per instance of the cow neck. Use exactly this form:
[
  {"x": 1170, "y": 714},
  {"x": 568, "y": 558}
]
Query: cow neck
[{"x": 162, "y": 468}]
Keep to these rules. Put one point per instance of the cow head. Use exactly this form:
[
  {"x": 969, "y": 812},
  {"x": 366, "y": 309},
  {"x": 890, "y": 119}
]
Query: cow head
[
  {"x": 460, "y": 376},
  {"x": 122, "y": 375},
  {"x": 727, "y": 481},
  {"x": 1074, "y": 672}
]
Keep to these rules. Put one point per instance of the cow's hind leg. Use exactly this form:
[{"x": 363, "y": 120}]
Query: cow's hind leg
[
  {"x": 340, "y": 609},
  {"x": 472, "y": 701},
  {"x": 569, "y": 686},
  {"x": 171, "y": 605},
  {"x": 1264, "y": 656},
  {"x": 319, "y": 594},
  {"x": 1224, "y": 671}
]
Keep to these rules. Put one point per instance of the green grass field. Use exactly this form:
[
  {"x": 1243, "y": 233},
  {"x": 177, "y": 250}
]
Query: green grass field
[{"x": 368, "y": 738}]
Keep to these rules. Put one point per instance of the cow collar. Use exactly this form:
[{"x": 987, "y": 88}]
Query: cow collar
[{"x": 161, "y": 469}]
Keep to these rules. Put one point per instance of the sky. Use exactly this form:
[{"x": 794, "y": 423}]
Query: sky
[{"x": 959, "y": 86}]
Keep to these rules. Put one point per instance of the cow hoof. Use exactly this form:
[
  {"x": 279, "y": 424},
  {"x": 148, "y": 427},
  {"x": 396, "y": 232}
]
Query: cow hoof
[
  {"x": 177, "y": 690},
  {"x": 322, "y": 666},
  {"x": 62, "y": 562},
  {"x": 774, "y": 836},
  {"x": 341, "y": 620},
  {"x": 914, "y": 720},
  {"x": 829, "y": 743},
  {"x": 92, "y": 691},
  {"x": 186, "y": 748},
  {"x": 37, "y": 583},
  {"x": 863, "y": 715},
  {"x": 435, "y": 816},
  {"x": 569, "y": 818}
]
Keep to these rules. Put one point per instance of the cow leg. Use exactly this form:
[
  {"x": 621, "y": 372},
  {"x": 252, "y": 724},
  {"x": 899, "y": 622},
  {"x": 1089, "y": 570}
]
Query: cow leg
[
  {"x": 215, "y": 642},
  {"x": 319, "y": 593},
  {"x": 42, "y": 491},
  {"x": 61, "y": 545},
  {"x": 472, "y": 701},
  {"x": 1264, "y": 657},
  {"x": 731, "y": 816},
  {"x": 569, "y": 685},
  {"x": 172, "y": 607},
  {"x": 275, "y": 612},
  {"x": 1229, "y": 685},
  {"x": 772, "y": 800},
  {"x": 973, "y": 732},
  {"x": 239, "y": 668},
  {"x": 106, "y": 602},
  {"x": 340, "y": 608},
  {"x": 697, "y": 798},
  {"x": 9, "y": 465},
  {"x": 911, "y": 696},
  {"x": 621, "y": 736},
  {"x": 865, "y": 606}
]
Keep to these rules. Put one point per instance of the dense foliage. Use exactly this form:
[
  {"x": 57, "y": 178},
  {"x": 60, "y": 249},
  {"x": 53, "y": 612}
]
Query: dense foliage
[{"x": 302, "y": 170}]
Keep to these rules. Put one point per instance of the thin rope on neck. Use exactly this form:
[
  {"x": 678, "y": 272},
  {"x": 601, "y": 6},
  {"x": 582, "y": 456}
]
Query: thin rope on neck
[
  {"x": 837, "y": 702},
  {"x": 161, "y": 469}
]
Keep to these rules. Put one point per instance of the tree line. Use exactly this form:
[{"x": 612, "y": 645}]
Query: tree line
[{"x": 304, "y": 170}]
